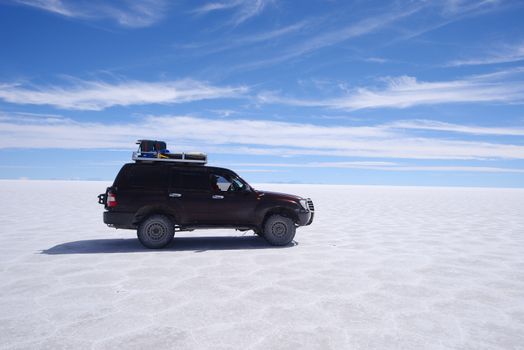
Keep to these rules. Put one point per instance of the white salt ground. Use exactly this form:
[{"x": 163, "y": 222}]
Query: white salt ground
[{"x": 380, "y": 268}]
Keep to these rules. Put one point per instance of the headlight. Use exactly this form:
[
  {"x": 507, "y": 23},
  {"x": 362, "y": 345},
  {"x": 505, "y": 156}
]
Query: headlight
[{"x": 303, "y": 203}]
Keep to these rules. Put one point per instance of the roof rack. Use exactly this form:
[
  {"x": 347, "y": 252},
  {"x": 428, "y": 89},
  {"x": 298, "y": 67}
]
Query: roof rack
[{"x": 155, "y": 151}]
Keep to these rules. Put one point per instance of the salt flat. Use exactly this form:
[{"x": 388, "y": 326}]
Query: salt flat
[{"x": 381, "y": 267}]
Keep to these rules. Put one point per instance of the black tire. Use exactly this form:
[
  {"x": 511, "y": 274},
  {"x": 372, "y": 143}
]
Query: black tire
[
  {"x": 279, "y": 230},
  {"x": 156, "y": 232}
]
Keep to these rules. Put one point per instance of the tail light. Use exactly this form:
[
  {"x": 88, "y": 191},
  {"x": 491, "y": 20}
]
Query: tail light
[{"x": 111, "y": 200}]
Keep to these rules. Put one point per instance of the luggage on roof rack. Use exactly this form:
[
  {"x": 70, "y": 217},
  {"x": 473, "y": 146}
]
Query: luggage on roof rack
[{"x": 156, "y": 151}]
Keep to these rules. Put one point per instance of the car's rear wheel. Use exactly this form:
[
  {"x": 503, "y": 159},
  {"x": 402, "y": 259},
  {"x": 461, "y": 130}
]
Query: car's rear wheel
[
  {"x": 279, "y": 230},
  {"x": 155, "y": 232}
]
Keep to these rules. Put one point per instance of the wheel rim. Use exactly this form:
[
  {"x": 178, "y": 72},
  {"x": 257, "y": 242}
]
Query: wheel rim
[
  {"x": 279, "y": 229},
  {"x": 156, "y": 231}
]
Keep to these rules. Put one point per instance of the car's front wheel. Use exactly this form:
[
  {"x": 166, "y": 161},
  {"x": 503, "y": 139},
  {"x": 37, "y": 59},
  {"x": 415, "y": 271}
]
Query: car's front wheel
[
  {"x": 279, "y": 230},
  {"x": 155, "y": 232}
]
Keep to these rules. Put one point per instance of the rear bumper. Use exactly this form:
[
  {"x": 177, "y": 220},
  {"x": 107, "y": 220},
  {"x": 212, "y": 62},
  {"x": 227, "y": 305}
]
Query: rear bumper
[{"x": 119, "y": 220}]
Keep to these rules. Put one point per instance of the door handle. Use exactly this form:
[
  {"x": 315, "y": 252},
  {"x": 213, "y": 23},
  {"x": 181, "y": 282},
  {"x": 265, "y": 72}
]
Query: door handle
[
  {"x": 217, "y": 196},
  {"x": 175, "y": 195}
]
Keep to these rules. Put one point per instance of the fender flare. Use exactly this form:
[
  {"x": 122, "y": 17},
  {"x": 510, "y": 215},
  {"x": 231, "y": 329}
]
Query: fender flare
[{"x": 279, "y": 210}]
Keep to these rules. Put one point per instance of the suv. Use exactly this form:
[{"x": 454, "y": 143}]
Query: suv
[{"x": 159, "y": 198}]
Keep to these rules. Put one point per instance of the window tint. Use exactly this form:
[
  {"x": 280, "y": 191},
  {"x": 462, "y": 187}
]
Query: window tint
[
  {"x": 190, "y": 180},
  {"x": 146, "y": 177}
]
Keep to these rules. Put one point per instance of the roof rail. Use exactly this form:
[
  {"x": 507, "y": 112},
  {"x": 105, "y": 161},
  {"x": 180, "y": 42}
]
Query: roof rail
[{"x": 192, "y": 157}]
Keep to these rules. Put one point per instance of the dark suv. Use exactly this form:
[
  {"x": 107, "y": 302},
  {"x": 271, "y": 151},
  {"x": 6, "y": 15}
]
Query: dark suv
[{"x": 159, "y": 198}]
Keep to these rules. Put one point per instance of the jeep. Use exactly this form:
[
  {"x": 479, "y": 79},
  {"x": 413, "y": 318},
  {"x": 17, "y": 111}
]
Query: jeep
[{"x": 158, "y": 198}]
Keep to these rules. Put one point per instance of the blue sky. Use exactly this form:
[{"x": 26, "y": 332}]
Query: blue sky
[{"x": 350, "y": 92}]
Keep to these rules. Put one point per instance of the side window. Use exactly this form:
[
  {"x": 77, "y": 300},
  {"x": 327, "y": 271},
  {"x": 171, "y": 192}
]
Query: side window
[
  {"x": 237, "y": 184},
  {"x": 190, "y": 180},
  {"x": 148, "y": 177},
  {"x": 220, "y": 183}
]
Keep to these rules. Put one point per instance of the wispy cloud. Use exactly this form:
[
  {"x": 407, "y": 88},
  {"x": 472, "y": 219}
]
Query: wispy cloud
[
  {"x": 125, "y": 13},
  {"x": 406, "y": 91},
  {"x": 249, "y": 9},
  {"x": 448, "y": 12},
  {"x": 457, "y": 128},
  {"x": 385, "y": 166},
  {"x": 376, "y": 60},
  {"x": 98, "y": 95},
  {"x": 263, "y": 137},
  {"x": 339, "y": 35},
  {"x": 243, "y": 9},
  {"x": 272, "y": 34},
  {"x": 216, "y": 6},
  {"x": 505, "y": 54},
  {"x": 232, "y": 42},
  {"x": 453, "y": 7},
  {"x": 442, "y": 13}
]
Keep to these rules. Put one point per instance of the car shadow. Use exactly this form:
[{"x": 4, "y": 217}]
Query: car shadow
[{"x": 132, "y": 245}]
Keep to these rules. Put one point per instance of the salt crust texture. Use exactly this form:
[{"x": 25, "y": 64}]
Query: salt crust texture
[{"x": 380, "y": 268}]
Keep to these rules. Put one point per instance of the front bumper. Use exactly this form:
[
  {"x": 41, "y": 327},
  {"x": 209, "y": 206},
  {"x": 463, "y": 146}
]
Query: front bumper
[
  {"x": 119, "y": 220},
  {"x": 305, "y": 217}
]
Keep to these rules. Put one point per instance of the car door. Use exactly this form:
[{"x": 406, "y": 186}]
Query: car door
[
  {"x": 232, "y": 203},
  {"x": 189, "y": 194}
]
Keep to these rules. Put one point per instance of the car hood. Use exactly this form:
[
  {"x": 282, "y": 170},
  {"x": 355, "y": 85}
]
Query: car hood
[{"x": 279, "y": 195}]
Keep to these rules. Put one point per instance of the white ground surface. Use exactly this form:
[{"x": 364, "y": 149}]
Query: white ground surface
[{"x": 381, "y": 267}]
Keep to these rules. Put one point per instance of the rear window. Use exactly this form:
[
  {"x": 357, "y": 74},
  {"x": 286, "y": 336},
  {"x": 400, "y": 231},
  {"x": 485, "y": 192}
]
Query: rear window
[
  {"x": 190, "y": 180},
  {"x": 148, "y": 177}
]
